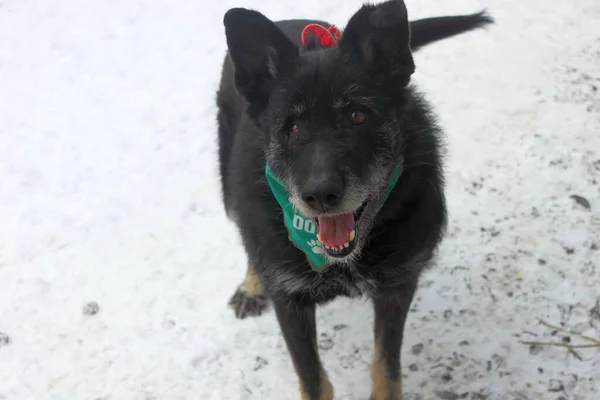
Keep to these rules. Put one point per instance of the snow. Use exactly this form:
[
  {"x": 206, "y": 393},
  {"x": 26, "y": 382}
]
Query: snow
[{"x": 117, "y": 261}]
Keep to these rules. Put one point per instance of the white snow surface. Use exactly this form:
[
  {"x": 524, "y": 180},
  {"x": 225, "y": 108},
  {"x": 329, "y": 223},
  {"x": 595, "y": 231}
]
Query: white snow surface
[{"x": 109, "y": 193}]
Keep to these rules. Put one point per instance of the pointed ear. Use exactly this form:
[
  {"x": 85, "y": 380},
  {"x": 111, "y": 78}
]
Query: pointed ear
[
  {"x": 260, "y": 52},
  {"x": 380, "y": 35}
]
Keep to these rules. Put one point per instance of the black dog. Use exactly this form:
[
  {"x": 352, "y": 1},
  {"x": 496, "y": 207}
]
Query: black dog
[{"x": 331, "y": 168}]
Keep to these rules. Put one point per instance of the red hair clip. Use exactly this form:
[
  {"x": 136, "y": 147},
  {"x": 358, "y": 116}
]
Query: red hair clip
[{"x": 327, "y": 37}]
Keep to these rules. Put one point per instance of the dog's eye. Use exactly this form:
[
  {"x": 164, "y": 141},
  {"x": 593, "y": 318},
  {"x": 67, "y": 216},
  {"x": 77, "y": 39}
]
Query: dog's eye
[
  {"x": 358, "y": 117},
  {"x": 293, "y": 130}
]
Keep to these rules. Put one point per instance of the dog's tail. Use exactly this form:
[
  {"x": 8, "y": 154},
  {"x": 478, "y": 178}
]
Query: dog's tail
[{"x": 428, "y": 30}]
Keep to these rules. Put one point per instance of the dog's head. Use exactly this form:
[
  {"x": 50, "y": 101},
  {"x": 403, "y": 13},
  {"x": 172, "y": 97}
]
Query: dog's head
[{"x": 330, "y": 117}]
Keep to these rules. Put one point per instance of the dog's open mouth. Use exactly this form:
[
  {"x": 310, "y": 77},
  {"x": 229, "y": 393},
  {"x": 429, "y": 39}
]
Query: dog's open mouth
[{"x": 338, "y": 233}]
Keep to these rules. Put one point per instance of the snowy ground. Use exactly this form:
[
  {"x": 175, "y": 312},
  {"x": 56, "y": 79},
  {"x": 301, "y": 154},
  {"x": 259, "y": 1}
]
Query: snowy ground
[{"x": 109, "y": 194}]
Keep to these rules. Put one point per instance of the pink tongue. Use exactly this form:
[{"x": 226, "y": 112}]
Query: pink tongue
[{"x": 335, "y": 231}]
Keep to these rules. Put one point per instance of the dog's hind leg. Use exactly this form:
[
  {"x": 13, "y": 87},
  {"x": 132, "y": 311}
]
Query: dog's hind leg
[
  {"x": 249, "y": 299},
  {"x": 391, "y": 310}
]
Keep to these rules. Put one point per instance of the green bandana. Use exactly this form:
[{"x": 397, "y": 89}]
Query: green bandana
[{"x": 302, "y": 230}]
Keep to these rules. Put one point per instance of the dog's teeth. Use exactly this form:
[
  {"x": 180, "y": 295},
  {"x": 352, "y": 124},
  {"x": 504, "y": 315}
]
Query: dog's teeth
[
  {"x": 337, "y": 249},
  {"x": 352, "y": 234},
  {"x": 319, "y": 237}
]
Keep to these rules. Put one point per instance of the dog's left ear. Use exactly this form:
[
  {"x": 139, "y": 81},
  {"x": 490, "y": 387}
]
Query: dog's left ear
[
  {"x": 260, "y": 53},
  {"x": 380, "y": 36}
]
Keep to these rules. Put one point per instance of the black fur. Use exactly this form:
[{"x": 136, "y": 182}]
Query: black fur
[
  {"x": 428, "y": 30},
  {"x": 270, "y": 82}
]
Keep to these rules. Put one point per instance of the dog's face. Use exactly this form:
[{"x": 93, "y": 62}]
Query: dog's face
[{"x": 329, "y": 116}]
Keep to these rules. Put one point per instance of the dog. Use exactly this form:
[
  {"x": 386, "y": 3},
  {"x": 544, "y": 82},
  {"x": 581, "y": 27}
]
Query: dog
[{"x": 331, "y": 166}]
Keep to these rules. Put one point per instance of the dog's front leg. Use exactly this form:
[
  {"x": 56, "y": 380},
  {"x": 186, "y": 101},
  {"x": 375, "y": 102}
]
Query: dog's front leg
[
  {"x": 299, "y": 327},
  {"x": 391, "y": 309}
]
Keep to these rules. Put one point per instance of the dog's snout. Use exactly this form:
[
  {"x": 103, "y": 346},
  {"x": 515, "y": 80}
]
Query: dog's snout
[{"x": 323, "y": 193}]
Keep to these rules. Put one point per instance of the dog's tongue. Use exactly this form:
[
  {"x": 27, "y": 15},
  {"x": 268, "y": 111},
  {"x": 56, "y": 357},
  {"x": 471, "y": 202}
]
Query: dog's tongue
[{"x": 335, "y": 231}]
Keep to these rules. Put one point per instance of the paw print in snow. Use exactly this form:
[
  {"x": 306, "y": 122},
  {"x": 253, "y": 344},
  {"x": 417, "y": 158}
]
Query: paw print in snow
[{"x": 316, "y": 246}]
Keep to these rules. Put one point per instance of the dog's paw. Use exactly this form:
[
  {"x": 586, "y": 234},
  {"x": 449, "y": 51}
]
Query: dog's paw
[
  {"x": 374, "y": 397},
  {"x": 386, "y": 396},
  {"x": 246, "y": 305}
]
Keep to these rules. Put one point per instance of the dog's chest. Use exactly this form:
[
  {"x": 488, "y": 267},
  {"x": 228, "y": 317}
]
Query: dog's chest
[{"x": 346, "y": 281}]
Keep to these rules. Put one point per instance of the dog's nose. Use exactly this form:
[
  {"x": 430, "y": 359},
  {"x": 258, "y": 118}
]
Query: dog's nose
[{"x": 323, "y": 193}]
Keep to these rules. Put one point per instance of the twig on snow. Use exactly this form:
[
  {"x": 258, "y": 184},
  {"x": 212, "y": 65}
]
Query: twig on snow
[{"x": 595, "y": 343}]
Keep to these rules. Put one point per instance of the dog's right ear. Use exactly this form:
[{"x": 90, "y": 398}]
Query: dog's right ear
[
  {"x": 260, "y": 53},
  {"x": 380, "y": 35}
]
